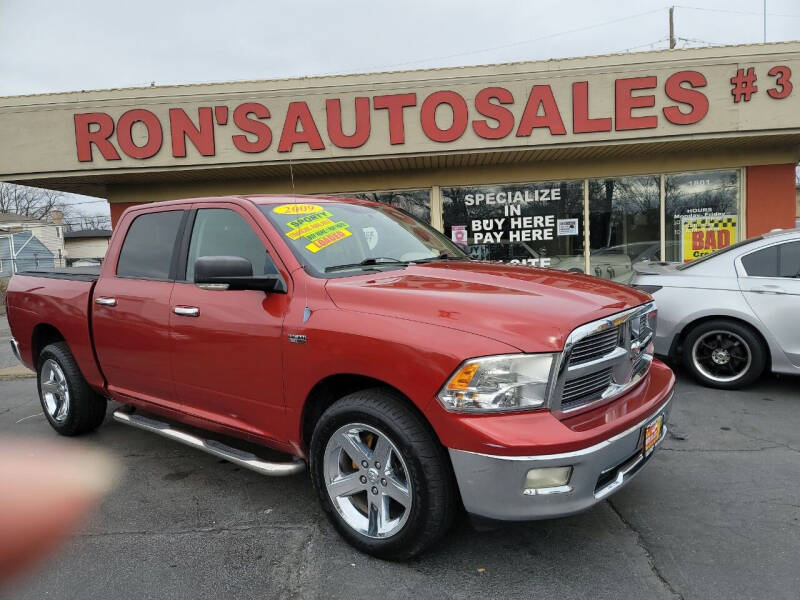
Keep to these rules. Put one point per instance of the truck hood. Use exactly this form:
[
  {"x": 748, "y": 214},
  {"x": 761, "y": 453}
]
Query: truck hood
[{"x": 531, "y": 309}]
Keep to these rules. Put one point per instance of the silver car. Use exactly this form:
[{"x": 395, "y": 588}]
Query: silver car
[{"x": 732, "y": 314}]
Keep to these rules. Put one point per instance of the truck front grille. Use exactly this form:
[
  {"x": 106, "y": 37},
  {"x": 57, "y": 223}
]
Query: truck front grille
[
  {"x": 603, "y": 359},
  {"x": 594, "y": 346},
  {"x": 587, "y": 388}
]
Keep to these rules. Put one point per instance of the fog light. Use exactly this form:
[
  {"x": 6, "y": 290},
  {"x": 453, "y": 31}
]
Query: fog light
[{"x": 548, "y": 480}]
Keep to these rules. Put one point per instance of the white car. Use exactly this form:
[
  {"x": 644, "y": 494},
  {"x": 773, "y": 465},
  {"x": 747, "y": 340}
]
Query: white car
[{"x": 733, "y": 314}]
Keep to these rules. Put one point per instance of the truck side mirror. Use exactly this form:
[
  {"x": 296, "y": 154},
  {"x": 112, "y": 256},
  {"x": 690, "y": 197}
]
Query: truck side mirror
[{"x": 234, "y": 273}]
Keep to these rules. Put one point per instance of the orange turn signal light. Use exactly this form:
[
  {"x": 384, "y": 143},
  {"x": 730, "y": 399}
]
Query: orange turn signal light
[{"x": 463, "y": 378}]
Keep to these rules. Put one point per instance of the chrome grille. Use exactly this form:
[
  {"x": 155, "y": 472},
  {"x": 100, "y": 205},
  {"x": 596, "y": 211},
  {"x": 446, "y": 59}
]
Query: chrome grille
[
  {"x": 585, "y": 389},
  {"x": 594, "y": 346},
  {"x": 604, "y": 359}
]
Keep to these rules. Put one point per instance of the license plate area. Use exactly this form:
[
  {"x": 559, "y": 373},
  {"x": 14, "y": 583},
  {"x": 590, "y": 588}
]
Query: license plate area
[{"x": 652, "y": 433}]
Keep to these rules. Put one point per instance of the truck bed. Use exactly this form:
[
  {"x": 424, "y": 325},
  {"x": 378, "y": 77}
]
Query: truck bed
[{"x": 71, "y": 273}]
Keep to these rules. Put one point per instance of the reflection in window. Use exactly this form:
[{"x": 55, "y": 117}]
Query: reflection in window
[
  {"x": 536, "y": 224},
  {"x": 623, "y": 224},
  {"x": 702, "y": 213},
  {"x": 414, "y": 202}
]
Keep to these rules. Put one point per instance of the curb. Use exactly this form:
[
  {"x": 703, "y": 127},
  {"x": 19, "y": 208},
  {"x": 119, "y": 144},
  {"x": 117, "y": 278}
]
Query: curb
[{"x": 17, "y": 372}]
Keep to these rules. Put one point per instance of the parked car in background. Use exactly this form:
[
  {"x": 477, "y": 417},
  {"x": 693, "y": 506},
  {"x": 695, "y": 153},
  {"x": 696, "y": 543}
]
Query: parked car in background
[
  {"x": 348, "y": 334},
  {"x": 614, "y": 262},
  {"x": 733, "y": 314}
]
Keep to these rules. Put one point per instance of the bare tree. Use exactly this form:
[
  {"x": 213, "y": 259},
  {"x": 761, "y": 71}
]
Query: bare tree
[
  {"x": 89, "y": 222},
  {"x": 35, "y": 203}
]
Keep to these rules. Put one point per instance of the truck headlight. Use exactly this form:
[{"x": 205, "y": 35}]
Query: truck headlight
[{"x": 507, "y": 382}]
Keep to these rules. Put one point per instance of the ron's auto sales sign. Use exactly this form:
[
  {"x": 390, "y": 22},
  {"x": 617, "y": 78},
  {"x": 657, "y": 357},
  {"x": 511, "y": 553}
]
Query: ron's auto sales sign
[{"x": 573, "y": 102}]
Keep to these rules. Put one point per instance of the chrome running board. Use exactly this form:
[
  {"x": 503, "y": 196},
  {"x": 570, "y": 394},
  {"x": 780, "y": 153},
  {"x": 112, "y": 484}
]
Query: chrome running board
[{"x": 234, "y": 455}]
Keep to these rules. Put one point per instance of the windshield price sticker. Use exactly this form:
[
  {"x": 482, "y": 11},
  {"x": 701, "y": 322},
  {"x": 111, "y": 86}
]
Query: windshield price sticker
[
  {"x": 297, "y": 209},
  {"x": 307, "y": 225},
  {"x": 327, "y": 236}
]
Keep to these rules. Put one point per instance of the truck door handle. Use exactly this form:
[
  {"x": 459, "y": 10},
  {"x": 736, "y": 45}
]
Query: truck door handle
[
  {"x": 102, "y": 301},
  {"x": 186, "y": 311}
]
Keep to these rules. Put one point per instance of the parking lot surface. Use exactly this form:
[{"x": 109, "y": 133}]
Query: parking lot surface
[{"x": 716, "y": 514}]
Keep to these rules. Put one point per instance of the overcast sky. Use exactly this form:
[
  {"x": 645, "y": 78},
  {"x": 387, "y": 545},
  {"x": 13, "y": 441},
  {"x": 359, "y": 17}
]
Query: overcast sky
[{"x": 65, "y": 45}]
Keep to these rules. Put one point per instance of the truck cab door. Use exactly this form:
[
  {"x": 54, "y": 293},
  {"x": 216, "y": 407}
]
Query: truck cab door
[
  {"x": 226, "y": 349},
  {"x": 770, "y": 281},
  {"x": 131, "y": 308}
]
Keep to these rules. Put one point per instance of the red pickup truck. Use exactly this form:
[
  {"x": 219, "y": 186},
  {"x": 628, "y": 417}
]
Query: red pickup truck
[{"x": 362, "y": 342}]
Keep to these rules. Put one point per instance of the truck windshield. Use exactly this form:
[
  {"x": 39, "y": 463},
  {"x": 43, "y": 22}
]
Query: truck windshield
[{"x": 339, "y": 238}]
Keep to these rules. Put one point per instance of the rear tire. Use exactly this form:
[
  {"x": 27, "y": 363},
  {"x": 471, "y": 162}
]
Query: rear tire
[
  {"x": 724, "y": 354},
  {"x": 69, "y": 404},
  {"x": 392, "y": 508}
]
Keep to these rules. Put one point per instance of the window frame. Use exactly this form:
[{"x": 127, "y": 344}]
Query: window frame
[
  {"x": 175, "y": 246},
  {"x": 741, "y": 270},
  {"x": 182, "y": 256}
]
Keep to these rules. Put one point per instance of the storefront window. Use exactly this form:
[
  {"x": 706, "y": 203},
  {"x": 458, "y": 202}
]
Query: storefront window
[
  {"x": 623, "y": 225},
  {"x": 536, "y": 224},
  {"x": 702, "y": 213},
  {"x": 415, "y": 202}
]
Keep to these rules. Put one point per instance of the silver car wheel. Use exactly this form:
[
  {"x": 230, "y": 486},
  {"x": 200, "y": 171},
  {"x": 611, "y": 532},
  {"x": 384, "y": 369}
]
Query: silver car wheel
[
  {"x": 367, "y": 480},
  {"x": 55, "y": 391},
  {"x": 721, "y": 356}
]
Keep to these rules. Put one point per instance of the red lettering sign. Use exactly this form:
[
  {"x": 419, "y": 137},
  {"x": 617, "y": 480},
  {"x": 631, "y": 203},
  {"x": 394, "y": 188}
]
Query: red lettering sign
[
  {"x": 625, "y": 102},
  {"x": 299, "y": 114},
  {"x": 499, "y": 114},
  {"x": 242, "y": 119},
  {"x": 444, "y": 116},
  {"x": 85, "y": 136},
  {"x": 394, "y": 105},
  {"x": 333, "y": 110},
  {"x": 581, "y": 122},
  {"x": 201, "y": 136},
  {"x": 427, "y": 116},
  {"x": 125, "y": 133},
  {"x": 696, "y": 101},
  {"x": 541, "y": 98}
]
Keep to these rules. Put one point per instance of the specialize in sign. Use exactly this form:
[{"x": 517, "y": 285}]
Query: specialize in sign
[{"x": 442, "y": 116}]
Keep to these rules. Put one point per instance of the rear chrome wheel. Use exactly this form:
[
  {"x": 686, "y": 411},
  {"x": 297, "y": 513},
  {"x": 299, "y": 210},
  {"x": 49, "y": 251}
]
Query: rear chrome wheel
[
  {"x": 70, "y": 405},
  {"x": 722, "y": 355},
  {"x": 55, "y": 391},
  {"x": 367, "y": 480}
]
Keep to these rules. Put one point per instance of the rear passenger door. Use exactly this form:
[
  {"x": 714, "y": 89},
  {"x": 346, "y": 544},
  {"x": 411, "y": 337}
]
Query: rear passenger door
[
  {"x": 226, "y": 344},
  {"x": 770, "y": 281},
  {"x": 131, "y": 308}
]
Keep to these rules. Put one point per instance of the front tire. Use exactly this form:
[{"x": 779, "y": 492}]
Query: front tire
[
  {"x": 724, "y": 354},
  {"x": 70, "y": 405},
  {"x": 382, "y": 477}
]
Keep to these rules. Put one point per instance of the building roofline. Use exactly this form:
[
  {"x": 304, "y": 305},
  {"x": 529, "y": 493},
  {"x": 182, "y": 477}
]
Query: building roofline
[{"x": 334, "y": 78}]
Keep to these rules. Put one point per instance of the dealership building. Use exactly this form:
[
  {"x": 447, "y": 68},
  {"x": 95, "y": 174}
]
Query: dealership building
[{"x": 586, "y": 164}]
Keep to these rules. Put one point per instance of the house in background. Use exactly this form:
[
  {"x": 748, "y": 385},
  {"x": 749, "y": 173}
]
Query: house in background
[
  {"x": 50, "y": 235},
  {"x": 23, "y": 251},
  {"x": 86, "y": 245}
]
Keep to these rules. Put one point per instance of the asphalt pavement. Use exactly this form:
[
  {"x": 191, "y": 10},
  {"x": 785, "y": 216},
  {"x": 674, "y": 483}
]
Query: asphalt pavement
[{"x": 716, "y": 514}]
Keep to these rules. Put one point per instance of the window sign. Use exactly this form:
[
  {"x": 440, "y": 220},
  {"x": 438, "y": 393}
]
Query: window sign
[
  {"x": 535, "y": 224},
  {"x": 701, "y": 213}
]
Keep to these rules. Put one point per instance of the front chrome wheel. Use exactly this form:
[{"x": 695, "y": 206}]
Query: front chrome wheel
[
  {"x": 721, "y": 356},
  {"x": 367, "y": 480},
  {"x": 55, "y": 391}
]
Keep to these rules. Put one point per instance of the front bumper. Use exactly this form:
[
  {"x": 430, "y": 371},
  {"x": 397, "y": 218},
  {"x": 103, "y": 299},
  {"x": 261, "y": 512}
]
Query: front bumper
[{"x": 493, "y": 486}]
